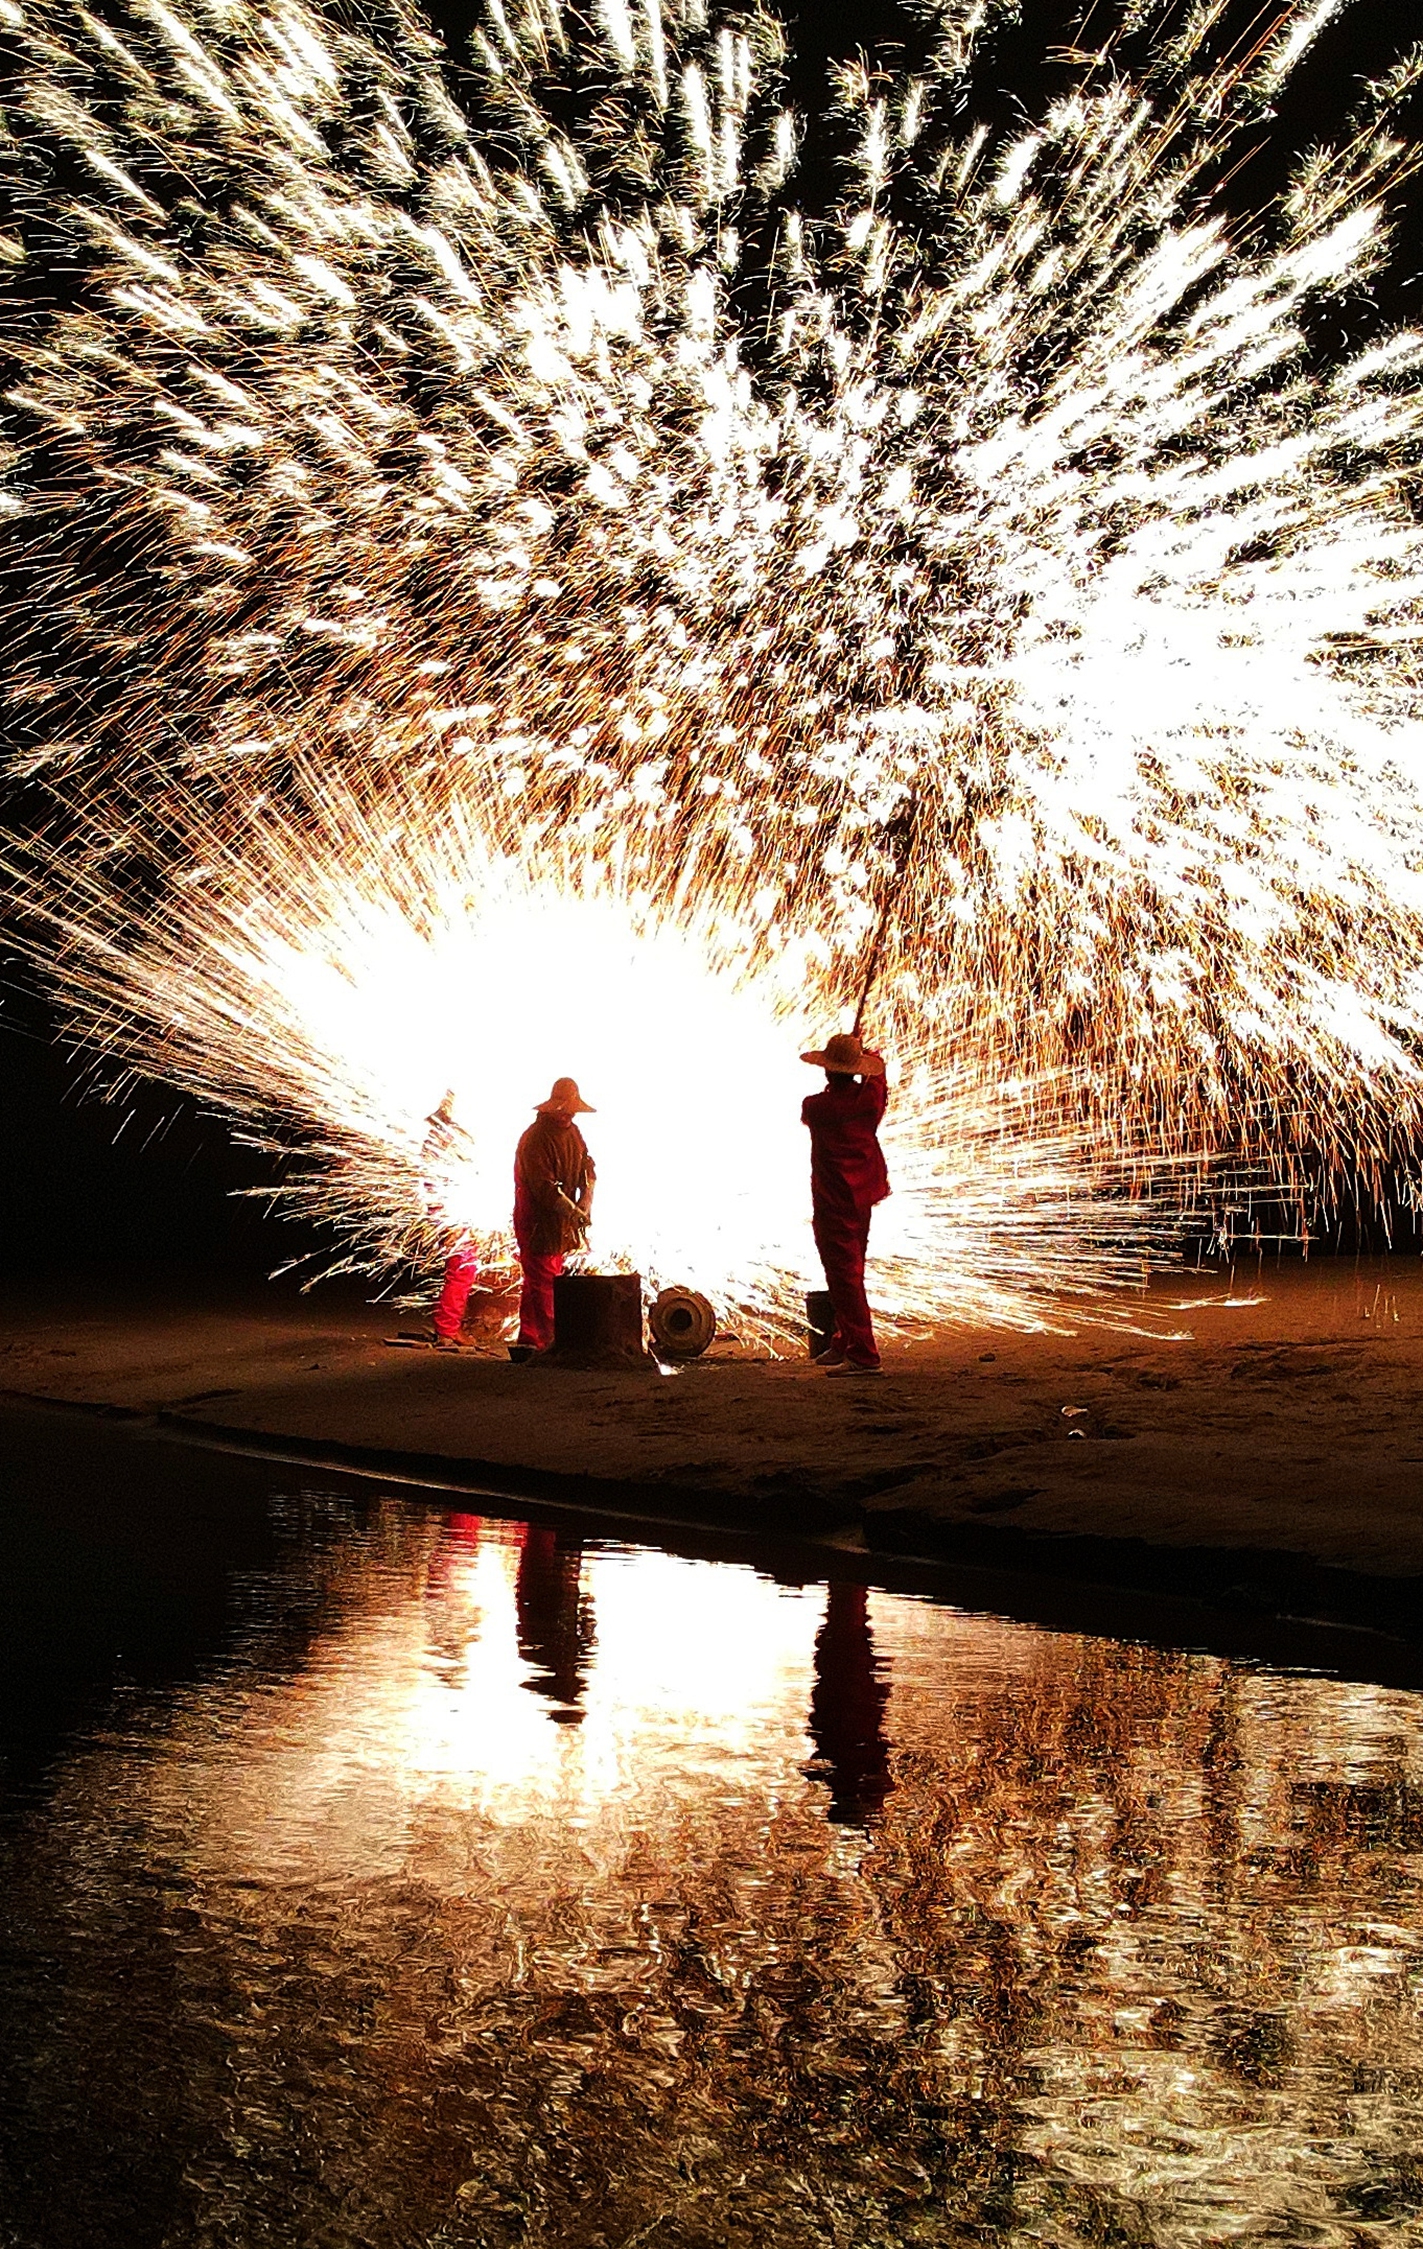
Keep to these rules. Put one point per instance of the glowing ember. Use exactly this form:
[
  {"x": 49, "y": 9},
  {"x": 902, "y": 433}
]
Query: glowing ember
[{"x": 531, "y": 468}]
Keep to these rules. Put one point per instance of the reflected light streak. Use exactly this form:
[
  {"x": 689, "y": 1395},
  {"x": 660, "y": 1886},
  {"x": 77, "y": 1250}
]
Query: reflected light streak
[{"x": 699, "y": 1693}]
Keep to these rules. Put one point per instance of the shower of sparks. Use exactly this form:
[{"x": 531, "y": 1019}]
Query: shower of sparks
[
  {"x": 330, "y": 1010},
  {"x": 504, "y": 445}
]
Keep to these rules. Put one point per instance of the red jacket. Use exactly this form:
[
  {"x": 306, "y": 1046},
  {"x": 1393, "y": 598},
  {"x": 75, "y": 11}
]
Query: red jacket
[
  {"x": 551, "y": 1156},
  {"x": 847, "y": 1169}
]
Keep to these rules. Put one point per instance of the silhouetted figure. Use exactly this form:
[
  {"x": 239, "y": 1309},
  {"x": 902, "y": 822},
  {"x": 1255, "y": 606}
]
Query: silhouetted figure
[
  {"x": 447, "y": 1144},
  {"x": 553, "y": 1201},
  {"x": 847, "y": 1179},
  {"x": 555, "y": 1620},
  {"x": 847, "y": 1707}
]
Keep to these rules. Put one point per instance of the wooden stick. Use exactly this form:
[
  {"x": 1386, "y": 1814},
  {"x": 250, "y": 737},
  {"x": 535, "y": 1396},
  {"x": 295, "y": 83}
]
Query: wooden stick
[
  {"x": 876, "y": 950},
  {"x": 904, "y": 838}
]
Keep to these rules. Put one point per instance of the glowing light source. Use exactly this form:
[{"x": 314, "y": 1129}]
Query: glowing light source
[{"x": 334, "y": 975}]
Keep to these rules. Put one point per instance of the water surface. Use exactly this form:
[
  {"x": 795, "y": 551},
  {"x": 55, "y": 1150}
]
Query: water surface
[{"x": 378, "y": 1874}]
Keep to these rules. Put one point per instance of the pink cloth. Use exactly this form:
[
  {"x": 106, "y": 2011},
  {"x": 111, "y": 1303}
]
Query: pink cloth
[
  {"x": 461, "y": 1271},
  {"x": 541, "y": 1270}
]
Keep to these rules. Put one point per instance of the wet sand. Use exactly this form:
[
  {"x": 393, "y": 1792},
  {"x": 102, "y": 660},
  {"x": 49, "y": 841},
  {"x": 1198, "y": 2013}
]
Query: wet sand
[{"x": 1259, "y": 1445}]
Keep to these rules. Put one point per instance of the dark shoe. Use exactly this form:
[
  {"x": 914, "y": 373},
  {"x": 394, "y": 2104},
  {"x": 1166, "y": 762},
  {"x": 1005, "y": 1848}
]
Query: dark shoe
[{"x": 521, "y": 1353}]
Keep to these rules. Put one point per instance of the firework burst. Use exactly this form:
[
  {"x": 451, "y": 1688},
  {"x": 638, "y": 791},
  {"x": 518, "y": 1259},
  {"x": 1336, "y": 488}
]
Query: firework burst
[
  {"x": 532, "y": 456},
  {"x": 330, "y": 972}
]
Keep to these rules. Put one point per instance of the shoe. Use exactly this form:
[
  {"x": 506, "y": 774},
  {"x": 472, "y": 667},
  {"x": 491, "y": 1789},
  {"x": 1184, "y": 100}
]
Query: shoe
[
  {"x": 446, "y": 1343},
  {"x": 855, "y": 1366},
  {"x": 829, "y": 1359}
]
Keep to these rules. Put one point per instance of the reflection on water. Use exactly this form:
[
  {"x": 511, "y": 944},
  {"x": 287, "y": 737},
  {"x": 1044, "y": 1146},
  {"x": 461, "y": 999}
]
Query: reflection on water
[
  {"x": 500, "y": 1889},
  {"x": 847, "y": 1705},
  {"x": 555, "y": 1619}
]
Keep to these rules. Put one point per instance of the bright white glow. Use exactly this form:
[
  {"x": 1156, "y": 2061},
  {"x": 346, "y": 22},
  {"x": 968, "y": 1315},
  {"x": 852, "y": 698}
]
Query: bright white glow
[
  {"x": 373, "y": 959},
  {"x": 701, "y": 1685}
]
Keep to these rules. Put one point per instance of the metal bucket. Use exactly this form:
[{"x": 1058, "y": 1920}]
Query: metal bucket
[{"x": 819, "y": 1321}]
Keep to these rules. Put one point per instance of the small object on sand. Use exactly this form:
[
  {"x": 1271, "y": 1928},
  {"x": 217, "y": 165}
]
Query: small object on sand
[
  {"x": 682, "y": 1323},
  {"x": 985, "y": 1356},
  {"x": 1072, "y": 1412},
  {"x": 819, "y": 1321}
]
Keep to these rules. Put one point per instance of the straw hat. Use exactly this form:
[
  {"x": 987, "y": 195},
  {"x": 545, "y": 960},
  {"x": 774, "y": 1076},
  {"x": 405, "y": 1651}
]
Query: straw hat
[
  {"x": 565, "y": 1101},
  {"x": 846, "y": 1056}
]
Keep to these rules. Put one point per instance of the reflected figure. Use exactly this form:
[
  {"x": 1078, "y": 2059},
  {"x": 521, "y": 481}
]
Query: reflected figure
[
  {"x": 450, "y": 1624},
  {"x": 460, "y": 1537},
  {"x": 463, "y": 1537},
  {"x": 556, "y": 1632},
  {"x": 847, "y": 1707}
]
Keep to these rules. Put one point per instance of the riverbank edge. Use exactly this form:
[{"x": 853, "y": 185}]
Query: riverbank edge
[{"x": 1271, "y": 1605}]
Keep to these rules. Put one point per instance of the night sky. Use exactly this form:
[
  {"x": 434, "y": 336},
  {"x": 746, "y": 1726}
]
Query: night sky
[{"x": 149, "y": 1180}]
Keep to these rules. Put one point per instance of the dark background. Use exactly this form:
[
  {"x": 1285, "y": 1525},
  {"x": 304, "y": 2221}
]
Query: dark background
[{"x": 148, "y": 1179}]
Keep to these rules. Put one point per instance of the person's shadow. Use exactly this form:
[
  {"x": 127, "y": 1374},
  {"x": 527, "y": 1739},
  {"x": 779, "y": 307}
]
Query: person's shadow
[{"x": 847, "y": 1708}]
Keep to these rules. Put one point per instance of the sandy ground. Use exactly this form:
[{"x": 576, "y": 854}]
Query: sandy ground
[{"x": 1261, "y": 1443}]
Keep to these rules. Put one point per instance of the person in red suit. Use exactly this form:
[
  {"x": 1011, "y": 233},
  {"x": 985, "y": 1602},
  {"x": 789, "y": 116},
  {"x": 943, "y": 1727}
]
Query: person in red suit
[
  {"x": 847, "y": 1178},
  {"x": 553, "y": 1200},
  {"x": 446, "y": 1144}
]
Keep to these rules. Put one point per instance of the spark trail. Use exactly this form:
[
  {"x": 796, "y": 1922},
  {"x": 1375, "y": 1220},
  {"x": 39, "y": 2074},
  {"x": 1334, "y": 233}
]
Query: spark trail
[
  {"x": 531, "y": 458},
  {"x": 327, "y": 1010}
]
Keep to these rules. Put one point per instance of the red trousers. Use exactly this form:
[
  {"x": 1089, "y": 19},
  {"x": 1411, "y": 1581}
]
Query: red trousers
[
  {"x": 461, "y": 1267},
  {"x": 842, "y": 1237},
  {"x": 541, "y": 1270}
]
